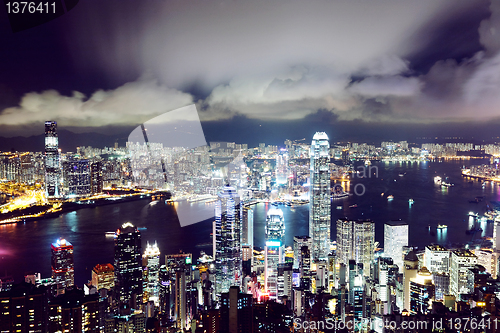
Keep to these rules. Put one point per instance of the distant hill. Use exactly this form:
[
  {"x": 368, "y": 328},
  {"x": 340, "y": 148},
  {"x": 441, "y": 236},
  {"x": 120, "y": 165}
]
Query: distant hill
[{"x": 68, "y": 141}]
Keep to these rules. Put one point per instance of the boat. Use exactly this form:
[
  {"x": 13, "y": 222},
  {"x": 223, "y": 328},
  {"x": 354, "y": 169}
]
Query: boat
[
  {"x": 411, "y": 201},
  {"x": 110, "y": 234},
  {"x": 446, "y": 183},
  {"x": 390, "y": 197},
  {"x": 353, "y": 206},
  {"x": 437, "y": 180},
  {"x": 142, "y": 228},
  {"x": 472, "y": 214},
  {"x": 339, "y": 207},
  {"x": 442, "y": 226}
]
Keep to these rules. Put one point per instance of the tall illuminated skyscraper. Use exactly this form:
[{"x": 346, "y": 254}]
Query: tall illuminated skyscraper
[
  {"x": 63, "y": 266},
  {"x": 274, "y": 249},
  {"x": 356, "y": 240},
  {"x": 128, "y": 268},
  {"x": 395, "y": 237},
  {"x": 152, "y": 261},
  {"x": 282, "y": 167},
  {"x": 460, "y": 262},
  {"x": 52, "y": 160},
  {"x": 227, "y": 241},
  {"x": 319, "y": 193}
]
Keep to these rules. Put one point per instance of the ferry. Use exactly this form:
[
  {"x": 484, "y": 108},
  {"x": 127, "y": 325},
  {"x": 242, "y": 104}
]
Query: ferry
[
  {"x": 442, "y": 226},
  {"x": 411, "y": 201},
  {"x": 339, "y": 207},
  {"x": 353, "y": 206},
  {"x": 390, "y": 197},
  {"x": 437, "y": 180},
  {"x": 110, "y": 234},
  {"x": 472, "y": 214}
]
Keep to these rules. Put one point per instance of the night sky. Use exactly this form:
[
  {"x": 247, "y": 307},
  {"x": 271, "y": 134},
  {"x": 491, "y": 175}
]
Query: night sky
[{"x": 259, "y": 70}]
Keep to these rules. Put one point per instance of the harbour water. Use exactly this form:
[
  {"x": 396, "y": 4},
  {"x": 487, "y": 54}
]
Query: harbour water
[{"x": 26, "y": 246}]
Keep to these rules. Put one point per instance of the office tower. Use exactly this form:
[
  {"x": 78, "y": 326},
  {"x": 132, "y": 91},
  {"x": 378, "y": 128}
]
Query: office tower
[
  {"x": 319, "y": 197},
  {"x": 76, "y": 175},
  {"x": 246, "y": 259},
  {"x": 52, "y": 160},
  {"x": 305, "y": 261},
  {"x": 384, "y": 293},
  {"x": 24, "y": 309},
  {"x": 236, "y": 312},
  {"x": 96, "y": 179},
  {"x": 461, "y": 261},
  {"x": 152, "y": 261},
  {"x": 437, "y": 259},
  {"x": 344, "y": 241},
  {"x": 128, "y": 268},
  {"x": 227, "y": 241},
  {"x": 488, "y": 259},
  {"x": 74, "y": 312},
  {"x": 421, "y": 292},
  {"x": 274, "y": 249},
  {"x": 298, "y": 242},
  {"x": 285, "y": 283},
  {"x": 63, "y": 266},
  {"x": 410, "y": 269},
  {"x": 441, "y": 284},
  {"x": 247, "y": 225},
  {"x": 282, "y": 167},
  {"x": 180, "y": 299},
  {"x": 496, "y": 234},
  {"x": 395, "y": 237},
  {"x": 356, "y": 240},
  {"x": 103, "y": 276},
  {"x": 345, "y": 157}
]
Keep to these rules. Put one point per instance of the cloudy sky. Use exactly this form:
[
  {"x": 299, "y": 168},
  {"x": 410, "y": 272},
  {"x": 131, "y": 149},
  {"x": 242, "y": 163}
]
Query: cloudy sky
[{"x": 119, "y": 63}]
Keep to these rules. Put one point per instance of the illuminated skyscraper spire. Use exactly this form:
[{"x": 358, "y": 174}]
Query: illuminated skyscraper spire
[
  {"x": 319, "y": 192},
  {"x": 52, "y": 160}
]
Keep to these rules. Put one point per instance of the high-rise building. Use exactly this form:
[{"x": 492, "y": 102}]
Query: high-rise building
[
  {"x": 74, "y": 312},
  {"x": 282, "y": 167},
  {"x": 63, "y": 267},
  {"x": 152, "y": 261},
  {"x": 236, "y": 312},
  {"x": 410, "y": 269},
  {"x": 461, "y": 261},
  {"x": 441, "y": 284},
  {"x": 274, "y": 249},
  {"x": 319, "y": 197},
  {"x": 437, "y": 259},
  {"x": 103, "y": 276},
  {"x": 52, "y": 160},
  {"x": 395, "y": 237},
  {"x": 298, "y": 242},
  {"x": 247, "y": 225},
  {"x": 128, "y": 268},
  {"x": 356, "y": 240},
  {"x": 421, "y": 292},
  {"x": 96, "y": 179},
  {"x": 76, "y": 175},
  {"x": 227, "y": 241}
]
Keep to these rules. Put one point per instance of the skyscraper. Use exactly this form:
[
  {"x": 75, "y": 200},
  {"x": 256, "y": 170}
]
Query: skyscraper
[
  {"x": 128, "y": 268},
  {"x": 274, "y": 249},
  {"x": 437, "y": 259},
  {"x": 395, "y": 237},
  {"x": 52, "y": 160},
  {"x": 227, "y": 241},
  {"x": 152, "y": 261},
  {"x": 247, "y": 225},
  {"x": 63, "y": 267},
  {"x": 298, "y": 242},
  {"x": 461, "y": 261},
  {"x": 103, "y": 276},
  {"x": 421, "y": 291},
  {"x": 319, "y": 196},
  {"x": 356, "y": 240},
  {"x": 76, "y": 177}
]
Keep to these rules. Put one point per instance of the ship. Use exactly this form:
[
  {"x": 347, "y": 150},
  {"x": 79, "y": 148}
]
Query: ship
[
  {"x": 411, "y": 201},
  {"x": 437, "y": 180},
  {"x": 390, "y": 197},
  {"x": 353, "y": 206},
  {"x": 442, "y": 226}
]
